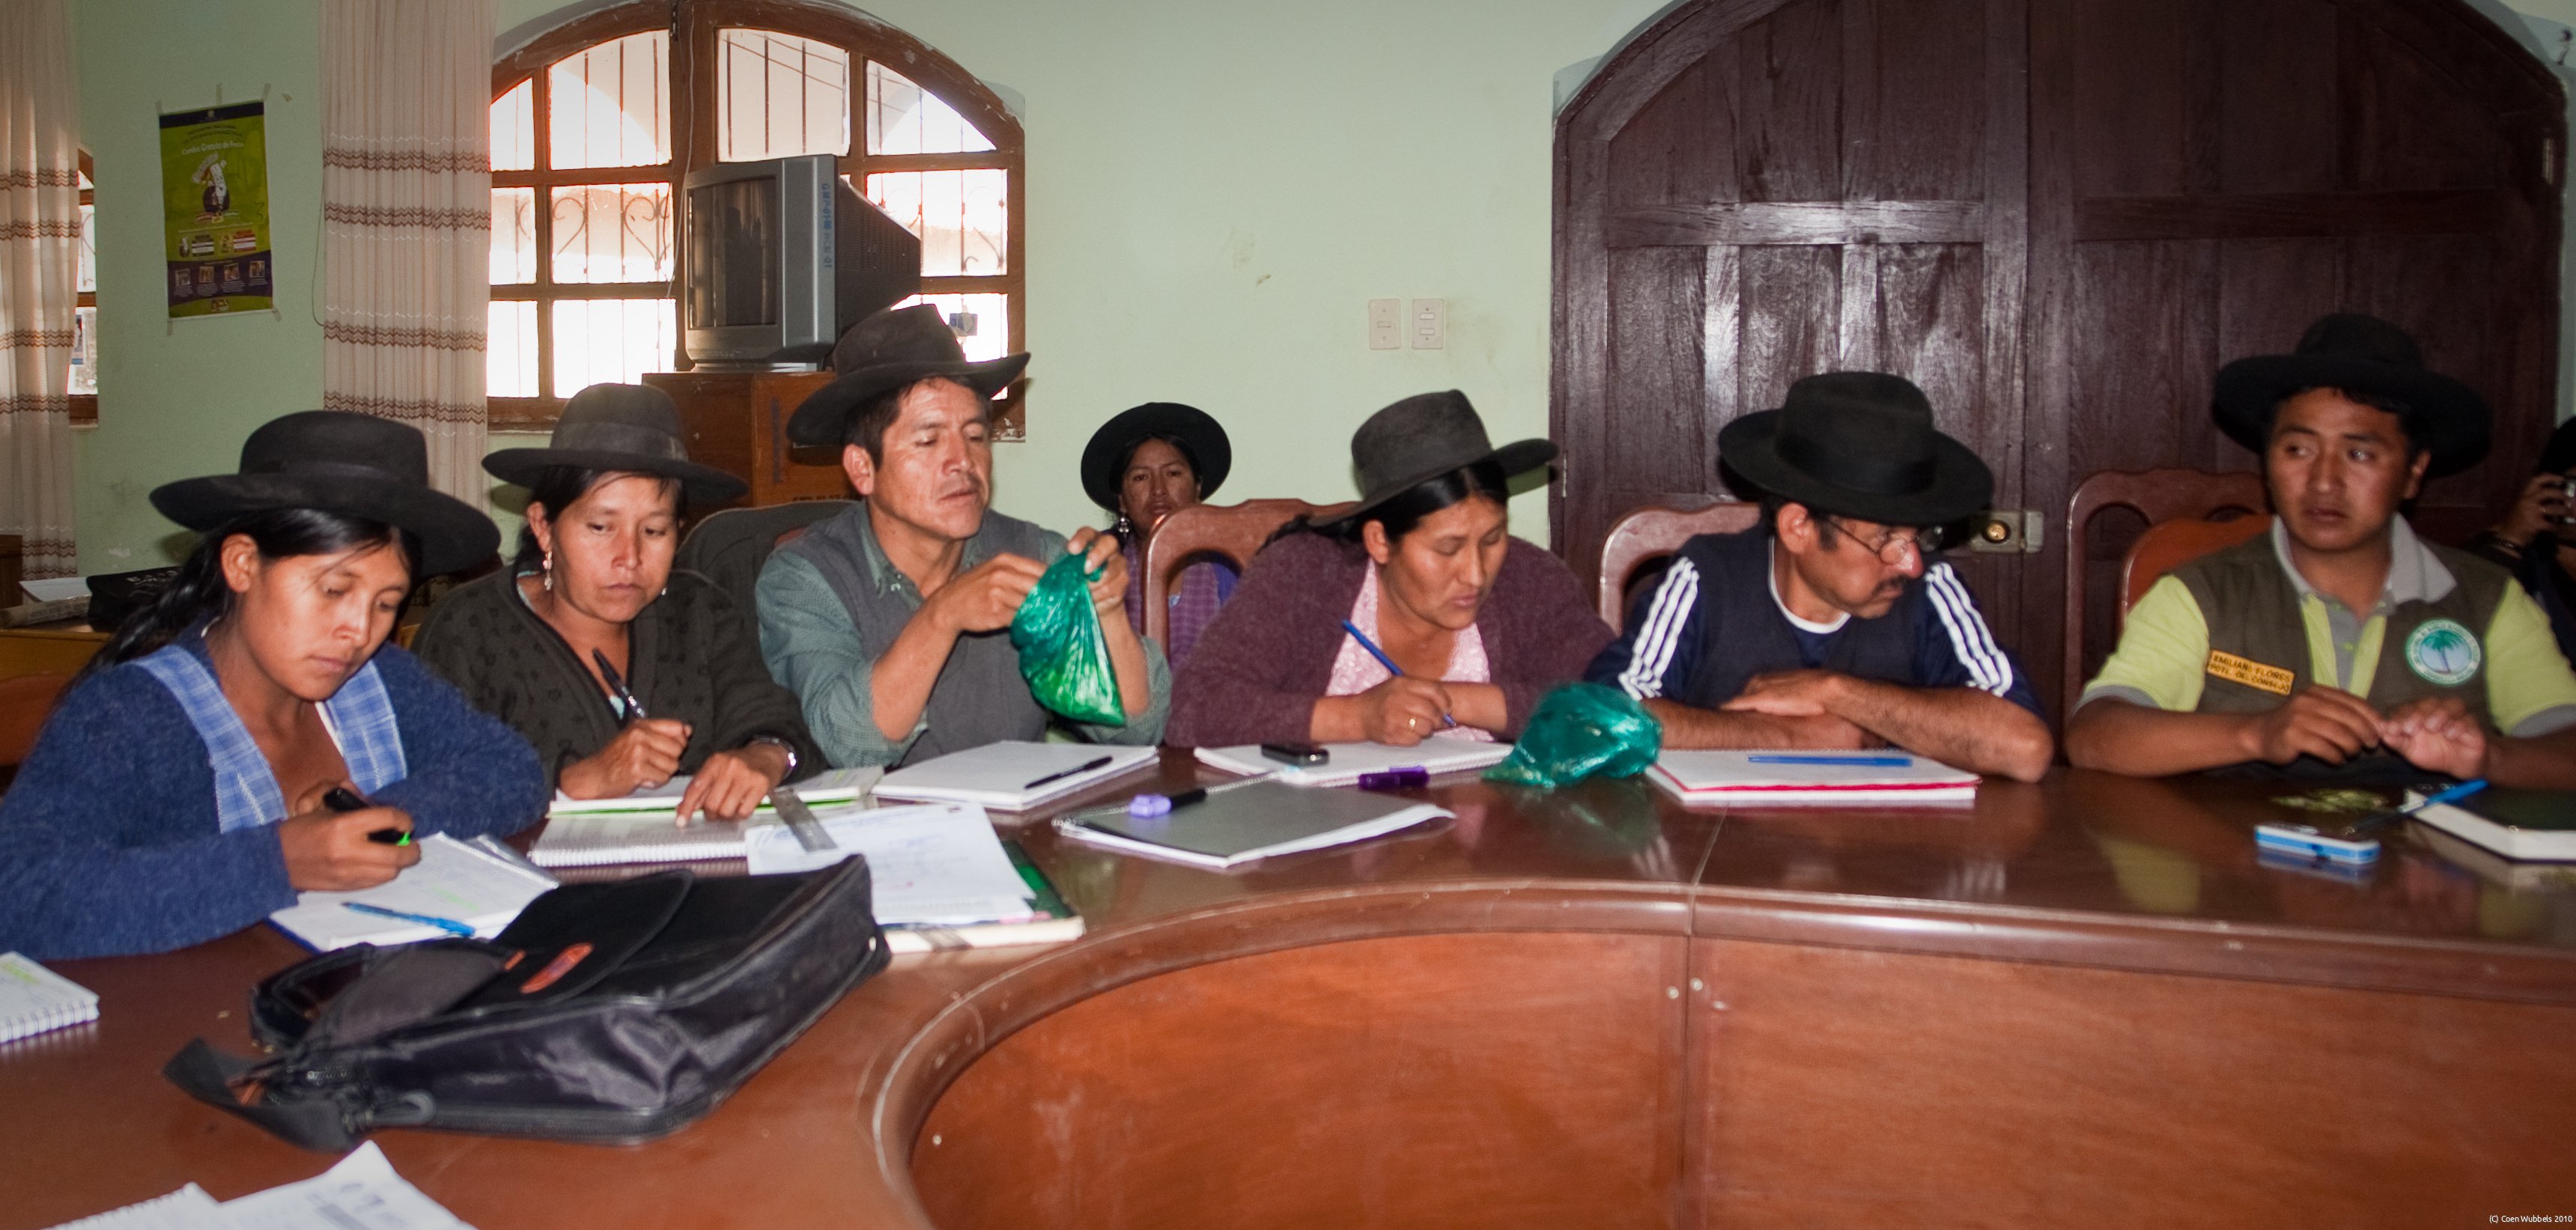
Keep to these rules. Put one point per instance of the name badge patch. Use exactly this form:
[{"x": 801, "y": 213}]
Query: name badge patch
[
  {"x": 2252, "y": 674},
  {"x": 2444, "y": 653}
]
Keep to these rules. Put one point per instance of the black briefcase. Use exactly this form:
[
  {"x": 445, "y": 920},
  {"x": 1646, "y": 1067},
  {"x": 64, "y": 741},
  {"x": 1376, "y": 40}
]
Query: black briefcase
[{"x": 611, "y": 1013}]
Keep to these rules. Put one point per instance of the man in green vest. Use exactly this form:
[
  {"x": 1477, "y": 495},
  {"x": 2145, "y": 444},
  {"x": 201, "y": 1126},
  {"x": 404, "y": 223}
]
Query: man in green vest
[{"x": 2339, "y": 642}]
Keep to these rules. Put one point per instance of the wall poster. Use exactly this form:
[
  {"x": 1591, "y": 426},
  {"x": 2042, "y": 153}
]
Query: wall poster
[{"x": 214, "y": 210}]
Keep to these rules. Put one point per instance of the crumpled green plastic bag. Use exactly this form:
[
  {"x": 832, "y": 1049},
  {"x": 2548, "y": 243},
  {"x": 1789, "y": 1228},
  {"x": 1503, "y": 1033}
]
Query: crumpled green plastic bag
[
  {"x": 1063, "y": 654},
  {"x": 1581, "y": 730}
]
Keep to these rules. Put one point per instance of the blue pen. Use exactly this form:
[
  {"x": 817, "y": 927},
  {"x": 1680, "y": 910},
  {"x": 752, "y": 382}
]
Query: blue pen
[
  {"x": 448, "y": 925},
  {"x": 1875, "y": 762},
  {"x": 1383, "y": 660},
  {"x": 2452, "y": 795}
]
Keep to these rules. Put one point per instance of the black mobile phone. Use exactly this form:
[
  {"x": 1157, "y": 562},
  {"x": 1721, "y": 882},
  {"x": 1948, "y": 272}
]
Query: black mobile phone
[{"x": 1295, "y": 753}]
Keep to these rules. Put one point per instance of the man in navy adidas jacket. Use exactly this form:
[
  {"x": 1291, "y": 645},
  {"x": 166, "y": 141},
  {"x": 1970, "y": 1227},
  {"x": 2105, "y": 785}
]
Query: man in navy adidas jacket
[{"x": 1834, "y": 624}]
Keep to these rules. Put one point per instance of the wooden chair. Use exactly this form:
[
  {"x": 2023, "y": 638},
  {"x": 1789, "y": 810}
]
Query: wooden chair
[
  {"x": 1234, "y": 531},
  {"x": 1645, "y": 534},
  {"x": 2183, "y": 509},
  {"x": 728, "y": 547},
  {"x": 25, "y": 700}
]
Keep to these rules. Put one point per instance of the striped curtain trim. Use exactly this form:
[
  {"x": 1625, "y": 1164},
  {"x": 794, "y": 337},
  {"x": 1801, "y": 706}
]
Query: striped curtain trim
[
  {"x": 409, "y": 411},
  {"x": 460, "y": 161},
  {"x": 36, "y": 339},
  {"x": 406, "y": 339},
  {"x": 50, "y": 177},
  {"x": 409, "y": 216},
  {"x": 37, "y": 403},
  {"x": 55, "y": 229}
]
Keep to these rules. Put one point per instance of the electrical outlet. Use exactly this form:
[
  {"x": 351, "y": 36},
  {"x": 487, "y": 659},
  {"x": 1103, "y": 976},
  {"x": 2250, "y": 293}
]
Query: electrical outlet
[
  {"x": 1430, "y": 319},
  {"x": 1386, "y": 324}
]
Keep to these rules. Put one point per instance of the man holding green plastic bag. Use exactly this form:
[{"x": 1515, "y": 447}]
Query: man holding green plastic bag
[{"x": 894, "y": 622}]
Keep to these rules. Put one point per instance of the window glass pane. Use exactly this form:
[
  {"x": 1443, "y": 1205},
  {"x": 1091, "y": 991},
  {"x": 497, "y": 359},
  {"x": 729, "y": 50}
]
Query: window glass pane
[
  {"x": 84, "y": 351},
  {"x": 903, "y": 118},
  {"x": 612, "y": 233},
  {"x": 610, "y": 105},
  {"x": 510, "y": 349},
  {"x": 514, "y": 236},
  {"x": 514, "y": 128},
  {"x": 961, "y": 217},
  {"x": 983, "y": 321},
  {"x": 85, "y": 185},
  {"x": 88, "y": 283},
  {"x": 617, "y": 340},
  {"x": 777, "y": 95}
]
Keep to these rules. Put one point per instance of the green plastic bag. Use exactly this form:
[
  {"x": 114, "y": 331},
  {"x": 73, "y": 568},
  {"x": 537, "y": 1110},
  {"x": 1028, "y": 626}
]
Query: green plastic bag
[
  {"x": 1062, "y": 652},
  {"x": 1581, "y": 730}
]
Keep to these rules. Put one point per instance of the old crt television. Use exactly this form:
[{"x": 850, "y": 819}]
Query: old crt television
[{"x": 782, "y": 256}]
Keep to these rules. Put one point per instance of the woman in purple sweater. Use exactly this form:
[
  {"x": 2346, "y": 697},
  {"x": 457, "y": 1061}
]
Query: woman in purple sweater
[{"x": 1482, "y": 623}]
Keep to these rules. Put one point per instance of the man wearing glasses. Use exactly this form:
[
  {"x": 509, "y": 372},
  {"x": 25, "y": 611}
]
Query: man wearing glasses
[{"x": 1834, "y": 624}]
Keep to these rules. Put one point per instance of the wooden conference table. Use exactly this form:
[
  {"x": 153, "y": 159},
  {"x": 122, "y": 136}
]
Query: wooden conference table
[{"x": 2083, "y": 1002}]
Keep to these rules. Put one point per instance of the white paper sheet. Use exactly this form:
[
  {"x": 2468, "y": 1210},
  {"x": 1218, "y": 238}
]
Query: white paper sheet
[
  {"x": 453, "y": 879},
  {"x": 936, "y": 864},
  {"x": 361, "y": 1192},
  {"x": 833, "y": 786}
]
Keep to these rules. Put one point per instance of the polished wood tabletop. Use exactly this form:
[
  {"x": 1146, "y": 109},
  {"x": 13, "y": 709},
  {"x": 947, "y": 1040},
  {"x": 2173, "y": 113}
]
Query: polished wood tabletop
[{"x": 2088, "y": 874}]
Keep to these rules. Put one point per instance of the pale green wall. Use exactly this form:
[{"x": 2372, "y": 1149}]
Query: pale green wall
[{"x": 1216, "y": 188}]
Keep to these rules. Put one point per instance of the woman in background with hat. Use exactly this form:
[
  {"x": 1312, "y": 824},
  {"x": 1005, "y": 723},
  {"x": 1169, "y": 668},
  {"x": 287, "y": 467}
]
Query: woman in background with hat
[
  {"x": 591, "y": 615},
  {"x": 1144, "y": 465},
  {"x": 1425, "y": 568},
  {"x": 178, "y": 792},
  {"x": 2534, "y": 542}
]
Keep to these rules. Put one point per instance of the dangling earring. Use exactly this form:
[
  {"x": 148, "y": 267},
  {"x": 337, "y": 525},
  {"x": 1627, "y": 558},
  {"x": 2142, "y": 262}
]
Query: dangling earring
[
  {"x": 1124, "y": 529},
  {"x": 549, "y": 567}
]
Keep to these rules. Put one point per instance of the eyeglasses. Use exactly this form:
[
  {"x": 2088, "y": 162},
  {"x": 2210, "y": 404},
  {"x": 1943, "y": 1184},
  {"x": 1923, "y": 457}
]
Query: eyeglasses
[{"x": 1892, "y": 543}]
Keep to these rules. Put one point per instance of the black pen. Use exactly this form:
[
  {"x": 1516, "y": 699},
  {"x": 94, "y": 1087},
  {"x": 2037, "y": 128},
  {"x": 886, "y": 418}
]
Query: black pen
[
  {"x": 344, "y": 800},
  {"x": 1085, "y": 767},
  {"x": 617, "y": 687}
]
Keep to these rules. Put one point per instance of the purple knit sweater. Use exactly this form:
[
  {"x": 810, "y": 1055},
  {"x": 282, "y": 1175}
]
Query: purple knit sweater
[{"x": 1267, "y": 658}]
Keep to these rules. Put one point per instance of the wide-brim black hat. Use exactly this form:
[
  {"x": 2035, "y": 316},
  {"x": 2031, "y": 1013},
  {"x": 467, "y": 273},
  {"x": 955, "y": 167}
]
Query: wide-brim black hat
[
  {"x": 355, "y": 465},
  {"x": 1859, "y": 444},
  {"x": 2357, "y": 354},
  {"x": 628, "y": 428},
  {"x": 1203, "y": 442},
  {"x": 887, "y": 351},
  {"x": 1423, "y": 437}
]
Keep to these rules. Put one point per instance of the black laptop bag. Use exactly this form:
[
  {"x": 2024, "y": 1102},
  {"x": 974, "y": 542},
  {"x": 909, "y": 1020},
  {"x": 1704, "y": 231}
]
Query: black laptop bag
[{"x": 610, "y": 1013}]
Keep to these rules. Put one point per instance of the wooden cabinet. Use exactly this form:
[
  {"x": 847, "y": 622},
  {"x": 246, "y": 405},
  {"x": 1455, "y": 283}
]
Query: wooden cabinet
[{"x": 737, "y": 421}]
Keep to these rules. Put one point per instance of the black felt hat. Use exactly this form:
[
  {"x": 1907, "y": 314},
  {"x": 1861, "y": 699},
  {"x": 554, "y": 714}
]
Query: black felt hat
[
  {"x": 1423, "y": 437},
  {"x": 2357, "y": 354},
  {"x": 1203, "y": 442},
  {"x": 887, "y": 351},
  {"x": 1859, "y": 444},
  {"x": 630, "y": 428},
  {"x": 355, "y": 465}
]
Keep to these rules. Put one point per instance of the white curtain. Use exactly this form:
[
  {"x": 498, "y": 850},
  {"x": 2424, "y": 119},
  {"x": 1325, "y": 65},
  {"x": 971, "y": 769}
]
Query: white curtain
[
  {"x": 39, "y": 268},
  {"x": 407, "y": 221}
]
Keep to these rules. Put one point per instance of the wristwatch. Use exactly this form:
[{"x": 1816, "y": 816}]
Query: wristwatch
[{"x": 781, "y": 745}]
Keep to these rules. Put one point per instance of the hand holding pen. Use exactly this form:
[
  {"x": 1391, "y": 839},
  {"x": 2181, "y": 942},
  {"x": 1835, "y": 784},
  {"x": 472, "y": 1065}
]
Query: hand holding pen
[
  {"x": 1407, "y": 708},
  {"x": 644, "y": 753},
  {"x": 338, "y": 842}
]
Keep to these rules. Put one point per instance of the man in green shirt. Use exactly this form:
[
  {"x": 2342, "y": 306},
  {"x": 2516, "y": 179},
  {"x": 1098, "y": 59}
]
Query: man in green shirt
[
  {"x": 2339, "y": 642},
  {"x": 890, "y": 621}
]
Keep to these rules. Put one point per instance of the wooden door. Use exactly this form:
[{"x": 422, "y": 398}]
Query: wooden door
[{"x": 2057, "y": 216}]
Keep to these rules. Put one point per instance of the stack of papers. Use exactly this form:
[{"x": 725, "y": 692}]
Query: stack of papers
[
  {"x": 1256, "y": 821},
  {"x": 35, "y": 1000},
  {"x": 362, "y": 1192},
  {"x": 479, "y": 883},
  {"x": 934, "y": 864},
  {"x": 1013, "y": 775},
  {"x": 1345, "y": 762},
  {"x": 1811, "y": 779}
]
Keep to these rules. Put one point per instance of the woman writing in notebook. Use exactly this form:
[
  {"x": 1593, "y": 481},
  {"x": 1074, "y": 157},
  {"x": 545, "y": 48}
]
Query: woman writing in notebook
[
  {"x": 185, "y": 785},
  {"x": 1422, "y": 570},
  {"x": 623, "y": 672}
]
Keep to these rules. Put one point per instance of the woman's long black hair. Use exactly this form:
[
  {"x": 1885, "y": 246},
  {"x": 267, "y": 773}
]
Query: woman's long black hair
[
  {"x": 199, "y": 592},
  {"x": 560, "y": 487},
  {"x": 1405, "y": 513}
]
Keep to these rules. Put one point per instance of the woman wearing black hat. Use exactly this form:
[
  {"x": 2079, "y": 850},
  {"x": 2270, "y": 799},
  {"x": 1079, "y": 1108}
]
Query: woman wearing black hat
[
  {"x": 591, "y": 615},
  {"x": 1425, "y": 568},
  {"x": 1144, "y": 465},
  {"x": 2535, "y": 543},
  {"x": 178, "y": 792}
]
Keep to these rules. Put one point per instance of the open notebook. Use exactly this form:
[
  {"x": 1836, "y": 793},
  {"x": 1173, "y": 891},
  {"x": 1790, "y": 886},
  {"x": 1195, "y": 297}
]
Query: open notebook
[
  {"x": 1013, "y": 775},
  {"x": 1256, "y": 821},
  {"x": 1811, "y": 779},
  {"x": 834, "y": 786},
  {"x": 939, "y": 876},
  {"x": 35, "y": 1000},
  {"x": 480, "y": 883},
  {"x": 1347, "y": 761}
]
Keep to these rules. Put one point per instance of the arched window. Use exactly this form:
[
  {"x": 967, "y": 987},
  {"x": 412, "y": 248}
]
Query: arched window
[{"x": 595, "y": 122}]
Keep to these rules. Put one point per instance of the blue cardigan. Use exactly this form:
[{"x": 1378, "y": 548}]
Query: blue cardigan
[{"x": 109, "y": 842}]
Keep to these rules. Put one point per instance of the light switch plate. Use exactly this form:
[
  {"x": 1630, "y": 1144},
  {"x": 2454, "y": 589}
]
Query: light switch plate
[
  {"x": 1430, "y": 323},
  {"x": 1386, "y": 324}
]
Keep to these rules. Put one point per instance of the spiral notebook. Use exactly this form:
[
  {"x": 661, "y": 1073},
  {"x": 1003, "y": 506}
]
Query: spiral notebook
[{"x": 35, "y": 1000}]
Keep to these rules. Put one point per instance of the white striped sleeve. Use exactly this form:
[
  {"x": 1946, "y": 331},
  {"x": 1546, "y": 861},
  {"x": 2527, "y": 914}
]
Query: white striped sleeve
[
  {"x": 1988, "y": 669},
  {"x": 1660, "y": 633}
]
